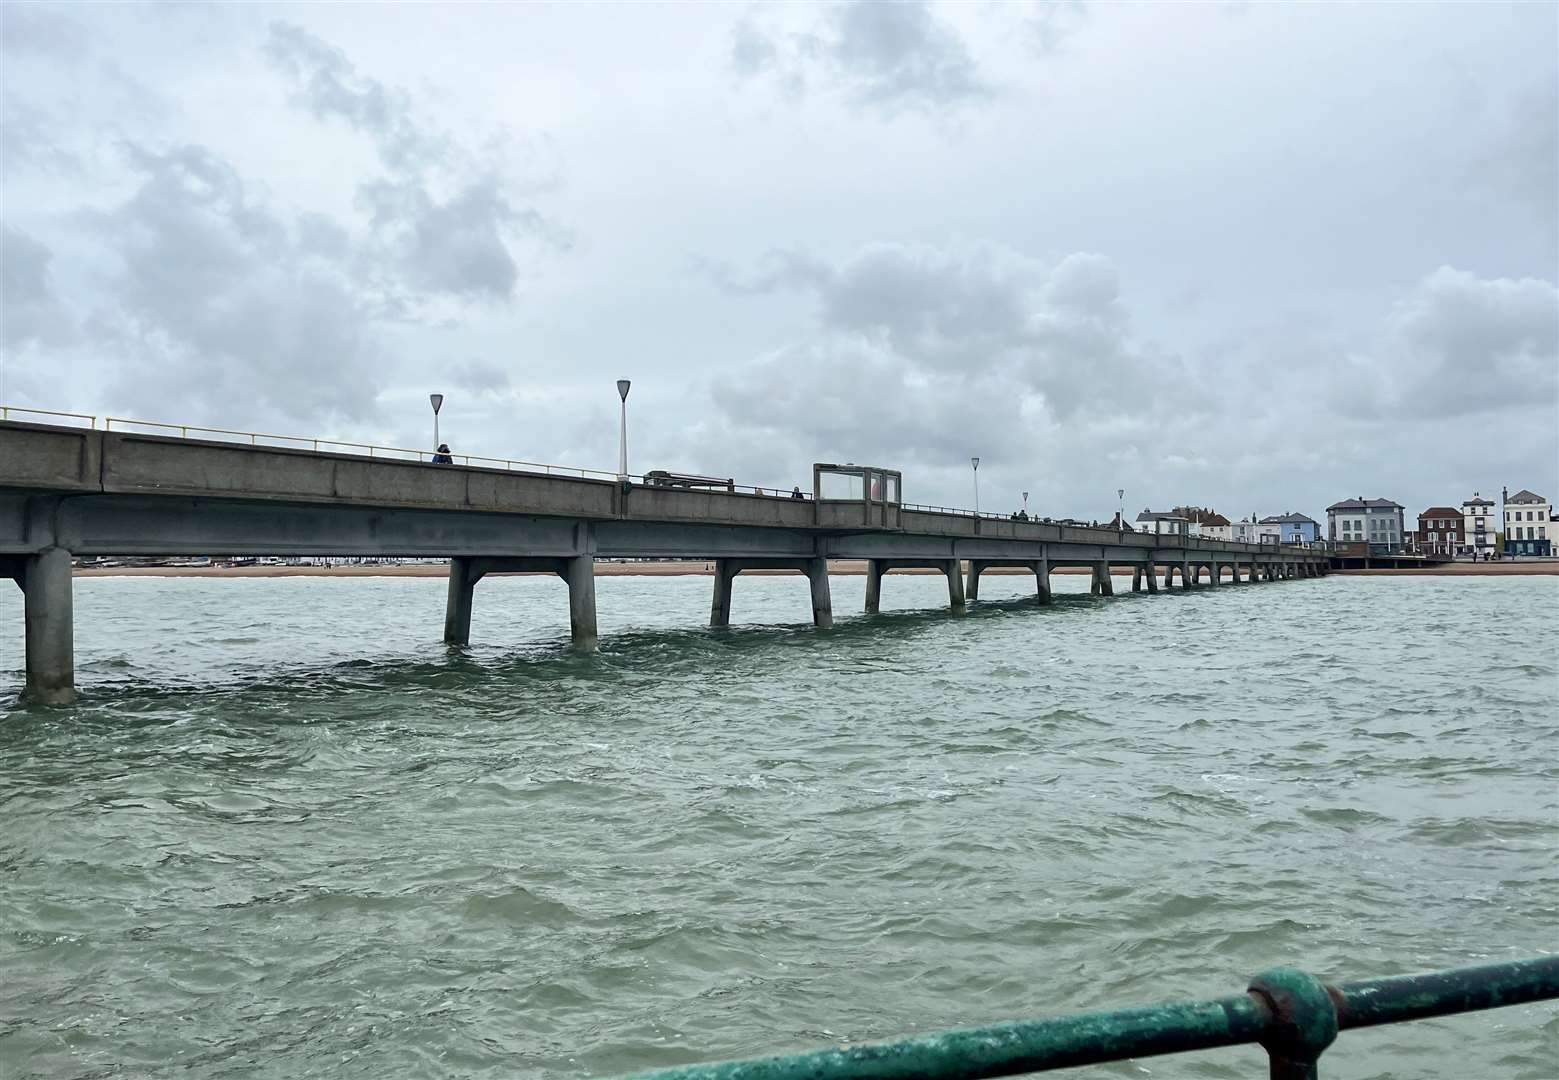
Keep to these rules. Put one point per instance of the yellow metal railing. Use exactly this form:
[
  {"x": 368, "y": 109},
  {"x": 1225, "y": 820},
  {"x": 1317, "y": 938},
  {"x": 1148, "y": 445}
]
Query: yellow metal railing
[{"x": 7, "y": 410}]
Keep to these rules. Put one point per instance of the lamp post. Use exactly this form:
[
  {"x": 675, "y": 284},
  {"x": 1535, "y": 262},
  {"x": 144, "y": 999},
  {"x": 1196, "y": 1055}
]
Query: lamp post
[
  {"x": 437, "y": 401},
  {"x": 1025, "y": 504},
  {"x": 622, "y": 441},
  {"x": 976, "y": 463},
  {"x": 1120, "y": 512}
]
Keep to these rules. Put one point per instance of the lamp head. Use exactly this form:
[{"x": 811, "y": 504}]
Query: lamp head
[
  {"x": 437, "y": 401},
  {"x": 622, "y": 388}
]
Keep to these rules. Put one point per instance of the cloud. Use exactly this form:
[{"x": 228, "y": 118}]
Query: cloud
[
  {"x": 1053, "y": 22},
  {"x": 889, "y": 57},
  {"x": 29, "y": 310},
  {"x": 222, "y": 304},
  {"x": 1459, "y": 344},
  {"x": 32, "y": 28},
  {"x": 443, "y": 215},
  {"x": 480, "y": 376},
  {"x": 923, "y": 356}
]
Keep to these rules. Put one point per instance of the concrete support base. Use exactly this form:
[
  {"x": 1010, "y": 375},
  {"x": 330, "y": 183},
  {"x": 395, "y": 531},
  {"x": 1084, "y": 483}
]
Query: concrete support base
[
  {"x": 875, "y": 568},
  {"x": 48, "y": 609},
  {"x": 1149, "y": 578},
  {"x": 577, "y": 571},
  {"x": 1101, "y": 584},
  {"x": 463, "y": 577},
  {"x": 816, "y": 571},
  {"x": 955, "y": 584}
]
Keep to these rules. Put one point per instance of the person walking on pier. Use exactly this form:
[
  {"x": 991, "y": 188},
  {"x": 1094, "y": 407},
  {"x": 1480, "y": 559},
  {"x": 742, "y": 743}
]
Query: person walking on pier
[
  {"x": 795, "y": 492},
  {"x": 442, "y": 457}
]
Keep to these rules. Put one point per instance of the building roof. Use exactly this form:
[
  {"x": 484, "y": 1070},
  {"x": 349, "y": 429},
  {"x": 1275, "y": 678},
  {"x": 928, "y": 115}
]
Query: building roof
[
  {"x": 1441, "y": 511},
  {"x": 1361, "y": 503},
  {"x": 1201, "y": 515},
  {"x": 1159, "y": 515},
  {"x": 1289, "y": 518},
  {"x": 1525, "y": 496},
  {"x": 1477, "y": 500}
]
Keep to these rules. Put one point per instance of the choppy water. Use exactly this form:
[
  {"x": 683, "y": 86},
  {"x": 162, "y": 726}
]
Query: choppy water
[{"x": 288, "y": 834}]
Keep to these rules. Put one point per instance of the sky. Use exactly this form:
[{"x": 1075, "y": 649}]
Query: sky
[{"x": 1254, "y": 257}]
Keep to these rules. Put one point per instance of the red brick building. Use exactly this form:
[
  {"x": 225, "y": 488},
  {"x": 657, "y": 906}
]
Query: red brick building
[{"x": 1439, "y": 531}]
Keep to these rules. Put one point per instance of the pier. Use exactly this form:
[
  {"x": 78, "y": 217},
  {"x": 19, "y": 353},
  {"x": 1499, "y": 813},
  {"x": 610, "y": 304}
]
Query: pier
[{"x": 69, "y": 491}]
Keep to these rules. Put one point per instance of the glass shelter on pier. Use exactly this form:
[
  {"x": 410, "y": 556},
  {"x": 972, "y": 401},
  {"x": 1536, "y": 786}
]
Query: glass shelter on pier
[{"x": 856, "y": 496}]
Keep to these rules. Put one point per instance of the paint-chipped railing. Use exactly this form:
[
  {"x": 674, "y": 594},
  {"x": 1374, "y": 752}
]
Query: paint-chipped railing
[
  {"x": 18, "y": 412},
  {"x": 1294, "y": 1016}
]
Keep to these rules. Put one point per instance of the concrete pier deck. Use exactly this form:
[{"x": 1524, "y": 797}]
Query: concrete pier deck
[{"x": 67, "y": 492}]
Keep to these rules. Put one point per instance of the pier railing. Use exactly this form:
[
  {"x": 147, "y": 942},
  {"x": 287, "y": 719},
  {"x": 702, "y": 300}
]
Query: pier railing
[{"x": 1294, "y": 1016}]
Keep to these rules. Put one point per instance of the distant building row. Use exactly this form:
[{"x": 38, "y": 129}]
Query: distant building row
[
  {"x": 1530, "y": 527},
  {"x": 1289, "y": 528}
]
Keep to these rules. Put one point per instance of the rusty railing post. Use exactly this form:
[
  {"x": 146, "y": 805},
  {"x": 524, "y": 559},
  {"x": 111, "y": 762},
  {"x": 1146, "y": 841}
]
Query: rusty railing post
[{"x": 1304, "y": 1021}]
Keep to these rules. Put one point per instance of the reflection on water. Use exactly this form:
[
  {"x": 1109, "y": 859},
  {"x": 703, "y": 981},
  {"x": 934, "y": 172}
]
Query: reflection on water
[{"x": 288, "y": 832}]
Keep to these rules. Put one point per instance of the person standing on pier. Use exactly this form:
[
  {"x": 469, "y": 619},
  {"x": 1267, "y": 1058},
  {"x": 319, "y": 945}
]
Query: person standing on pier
[{"x": 442, "y": 456}]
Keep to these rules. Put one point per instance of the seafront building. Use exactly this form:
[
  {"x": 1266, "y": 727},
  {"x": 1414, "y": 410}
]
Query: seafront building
[
  {"x": 1163, "y": 523},
  {"x": 1529, "y": 524},
  {"x": 1376, "y": 522},
  {"x": 1478, "y": 523},
  {"x": 1292, "y": 528},
  {"x": 1439, "y": 531}
]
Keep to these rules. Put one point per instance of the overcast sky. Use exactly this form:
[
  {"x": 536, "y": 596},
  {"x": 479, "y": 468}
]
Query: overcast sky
[{"x": 1256, "y": 257}]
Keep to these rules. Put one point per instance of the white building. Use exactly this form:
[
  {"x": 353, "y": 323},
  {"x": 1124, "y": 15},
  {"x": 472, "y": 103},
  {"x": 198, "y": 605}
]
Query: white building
[
  {"x": 1162, "y": 523},
  {"x": 1376, "y": 522},
  {"x": 1528, "y": 524},
  {"x": 1479, "y": 525}
]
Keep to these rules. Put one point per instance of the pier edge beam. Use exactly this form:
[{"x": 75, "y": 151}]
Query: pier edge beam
[
  {"x": 579, "y": 573},
  {"x": 48, "y": 611},
  {"x": 822, "y": 600},
  {"x": 463, "y": 576},
  {"x": 874, "y": 572}
]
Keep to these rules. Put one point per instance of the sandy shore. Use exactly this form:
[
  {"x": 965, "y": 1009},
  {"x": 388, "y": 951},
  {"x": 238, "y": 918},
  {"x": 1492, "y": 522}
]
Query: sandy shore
[{"x": 842, "y": 567}]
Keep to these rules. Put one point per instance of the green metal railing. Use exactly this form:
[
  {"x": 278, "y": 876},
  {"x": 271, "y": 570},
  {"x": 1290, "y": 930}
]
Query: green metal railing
[{"x": 1294, "y": 1016}]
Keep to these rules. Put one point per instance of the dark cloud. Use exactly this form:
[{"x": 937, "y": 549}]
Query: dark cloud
[
  {"x": 36, "y": 28},
  {"x": 223, "y": 305},
  {"x": 30, "y": 312},
  {"x": 480, "y": 376},
  {"x": 886, "y": 56},
  {"x": 1060, "y": 335},
  {"x": 444, "y": 216},
  {"x": 1460, "y": 345}
]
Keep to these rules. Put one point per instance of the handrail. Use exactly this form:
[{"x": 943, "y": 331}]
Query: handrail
[
  {"x": 1293, "y": 1015},
  {"x": 7, "y": 410}
]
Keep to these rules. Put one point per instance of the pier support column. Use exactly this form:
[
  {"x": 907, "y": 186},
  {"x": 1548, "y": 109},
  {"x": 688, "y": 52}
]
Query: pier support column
[
  {"x": 822, "y": 600},
  {"x": 579, "y": 572},
  {"x": 1186, "y": 578},
  {"x": 874, "y": 571},
  {"x": 720, "y": 609},
  {"x": 1136, "y": 579},
  {"x": 463, "y": 576},
  {"x": 47, "y": 607},
  {"x": 1042, "y": 578},
  {"x": 1150, "y": 579},
  {"x": 1102, "y": 585},
  {"x": 1213, "y": 577},
  {"x": 955, "y": 584},
  {"x": 972, "y": 588}
]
